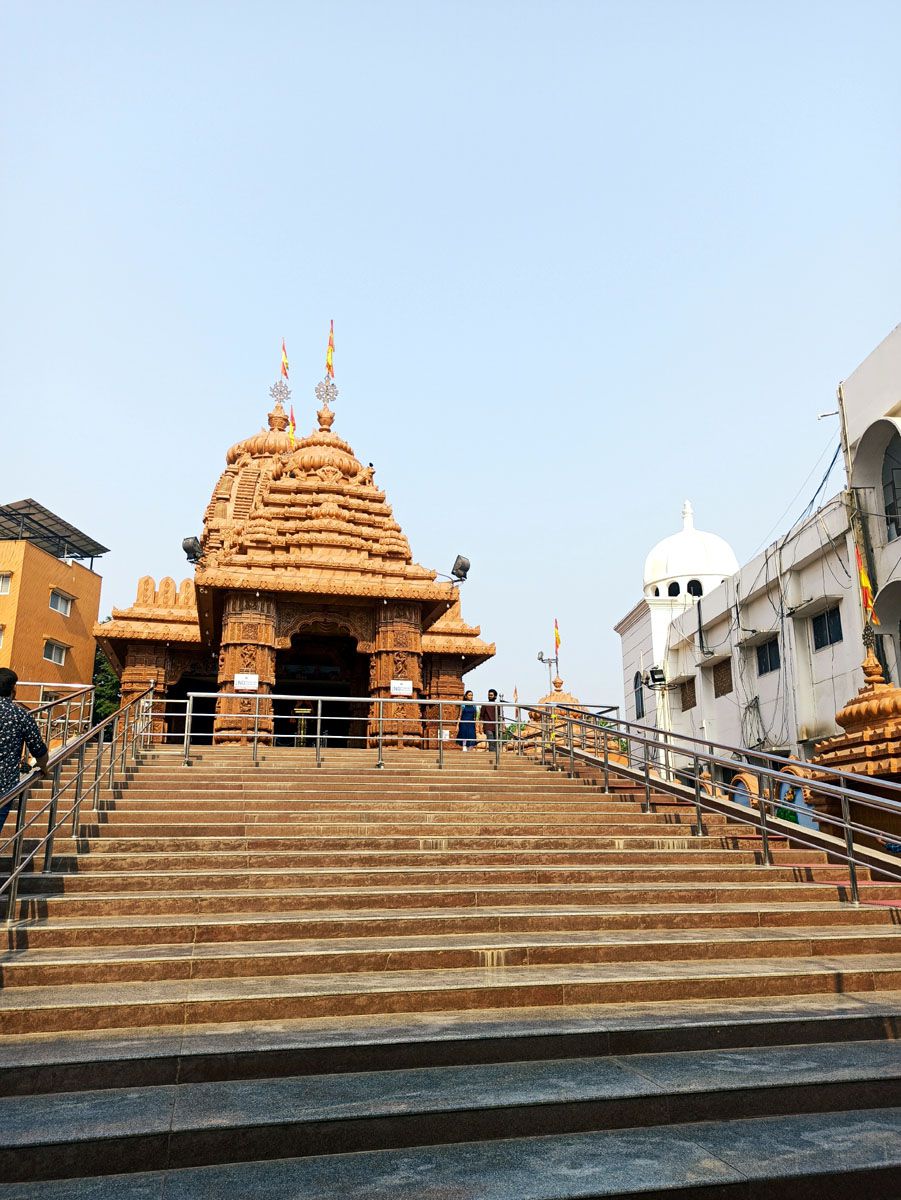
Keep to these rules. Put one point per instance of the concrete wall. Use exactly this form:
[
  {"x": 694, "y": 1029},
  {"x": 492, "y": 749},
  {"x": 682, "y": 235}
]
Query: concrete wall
[{"x": 29, "y": 620}]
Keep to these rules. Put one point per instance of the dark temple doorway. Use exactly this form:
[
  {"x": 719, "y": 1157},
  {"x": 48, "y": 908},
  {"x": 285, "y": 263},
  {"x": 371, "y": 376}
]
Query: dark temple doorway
[
  {"x": 203, "y": 709},
  {"x": 323, "y": 668}
]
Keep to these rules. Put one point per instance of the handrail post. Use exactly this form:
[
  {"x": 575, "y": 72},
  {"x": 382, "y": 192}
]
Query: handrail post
[
  {"x": 18, "y": 843},
  {"x": 66, "y": 708},
  {"x": 256, "y": 729},
  {"x": 647, "y": 779},
  {"x": 572, "y": 756},
  {"x": 51, "y": 816},
  {"x": 764, "y": 826},
  {"x": 606, "y": 762},
  {"x": 543, "y": 737},
  {"x": 79, "y": 788},
  {"x": 319, "y": 732},
  {"x": 381, "y": 760},
  {"x": 440, "y": 736},
  {"x": 498, "y": 727},
  {"x": 135, "y": 732},
  {"x": 552, "y": 723},
  {"x": 849, "y": 846},
  {"x": 98, "y": 769},
  {"x": 112, "y": 750},
  {"x": 699, "y": 828},
  {"x": 189, "y": 717}
]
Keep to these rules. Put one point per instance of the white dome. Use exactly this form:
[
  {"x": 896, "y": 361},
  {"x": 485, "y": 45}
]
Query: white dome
[{"x": 688, "y": 556}]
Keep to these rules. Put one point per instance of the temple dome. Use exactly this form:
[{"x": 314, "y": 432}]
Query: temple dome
[{"x": 687, "y": 560}]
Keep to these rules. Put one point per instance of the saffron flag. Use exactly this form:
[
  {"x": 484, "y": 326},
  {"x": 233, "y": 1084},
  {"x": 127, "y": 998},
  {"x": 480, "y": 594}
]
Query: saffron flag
[
  {"x": 330, "y": 353},
  {"x": 284, "y": 360},
  {"x": 292, "y": 426},
  {"x": 516, "y": 695},
  {"x": 556, "y": 635},
  {"x": 866, "y": 590}
]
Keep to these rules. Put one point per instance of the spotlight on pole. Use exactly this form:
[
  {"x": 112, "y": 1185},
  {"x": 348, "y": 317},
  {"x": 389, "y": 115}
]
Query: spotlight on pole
[
  {"x": 193, "y": 549},
  {"x": 460, "y": 569}
]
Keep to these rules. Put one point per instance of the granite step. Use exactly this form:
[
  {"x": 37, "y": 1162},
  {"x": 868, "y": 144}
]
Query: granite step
[
  {"x": 817, "y": 1156},
  {"x": 120, "y": 929},
  {"x": 234, "y": 959},
  {"x": 196, "y": 1001},
  {"x": 174, "y": 1126}
]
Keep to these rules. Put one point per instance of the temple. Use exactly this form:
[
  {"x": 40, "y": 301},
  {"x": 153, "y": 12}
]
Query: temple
[{"x": 304, "y": 585}]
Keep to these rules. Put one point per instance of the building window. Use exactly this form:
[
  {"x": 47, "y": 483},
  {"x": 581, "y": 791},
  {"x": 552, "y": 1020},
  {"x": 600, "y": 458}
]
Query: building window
[
  {"x": 688, "y": 694},
  {"x": 54, "y": 652},
  {"x": 694, "y": 588},
  {"x": 827, "y": 628},
  {"x": 722, "y": 678},
  {"x": 60, "y": 602},
  {"x": 891, "y": 487},
  {"x": 768, "y": 657},
  {"x": 673, "y": 589},
  {"x": 639, "y": 696},
  {"x": 4, "y": 583}
]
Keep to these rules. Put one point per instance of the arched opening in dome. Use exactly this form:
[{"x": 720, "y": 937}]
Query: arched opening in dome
[
  {"x": 891, "y": 487},
  {"x": 656, "y": 591},
  {"x": 694, "y": 587},
  {"x": 673, "y": 589},
  {"x": 639, "y": 696},
  {"x": 317, "y": 665}
]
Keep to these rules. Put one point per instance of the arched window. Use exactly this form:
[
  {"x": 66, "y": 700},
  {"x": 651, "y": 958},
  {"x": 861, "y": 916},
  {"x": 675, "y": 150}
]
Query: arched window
[
  {"x": 639, "y": 696},
  {"x": 694, "y": 588},
  {"x": 673, "y": 589},
  {"x": 891, "y": 487},
  {"x": 656, "y": 591}
]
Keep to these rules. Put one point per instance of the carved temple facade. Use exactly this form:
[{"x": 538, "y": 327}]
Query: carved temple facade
[{"x": 305, "y": 581}]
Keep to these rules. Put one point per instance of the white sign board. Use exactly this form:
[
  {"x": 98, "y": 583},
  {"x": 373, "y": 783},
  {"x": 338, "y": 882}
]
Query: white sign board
[
  {"x": 401, "y": 687},
  {"x": 247, "y": 683},
  {"x": 445, "y": 735}
]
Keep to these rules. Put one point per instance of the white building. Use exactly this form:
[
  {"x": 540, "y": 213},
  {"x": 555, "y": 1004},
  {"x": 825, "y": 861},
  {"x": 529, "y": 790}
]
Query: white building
[{"x": 763, "y": 656}]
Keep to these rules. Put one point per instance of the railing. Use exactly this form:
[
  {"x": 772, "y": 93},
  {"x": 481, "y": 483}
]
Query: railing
[
  {"x": 58, "y": 717},
  {"x": 754, "y": 787},
  {"x": 93, "y": 756}
]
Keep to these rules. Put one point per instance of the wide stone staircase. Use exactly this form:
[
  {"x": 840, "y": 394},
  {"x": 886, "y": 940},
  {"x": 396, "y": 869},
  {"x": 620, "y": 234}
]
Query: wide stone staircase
[{"x": 282, "y": 981}]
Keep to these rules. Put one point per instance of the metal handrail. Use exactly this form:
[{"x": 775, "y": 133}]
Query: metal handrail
[
  {"x": 43, "y": 713},
  {"x": 128, "y": 728},
  {"x": 580, "y": 730}
]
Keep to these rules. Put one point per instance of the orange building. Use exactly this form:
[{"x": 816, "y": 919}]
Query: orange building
[{"x": 49, "y": 601}]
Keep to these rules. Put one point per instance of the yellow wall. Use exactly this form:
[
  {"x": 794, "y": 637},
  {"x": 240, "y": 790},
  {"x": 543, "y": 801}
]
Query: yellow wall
[{"x": 29, "y": 620}]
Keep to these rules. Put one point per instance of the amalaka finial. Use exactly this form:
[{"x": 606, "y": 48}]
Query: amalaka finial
[
  {"x": 872, "y": 667},
  {"x": 688, "y": 515},
  {"x": 280, "y": 393}
]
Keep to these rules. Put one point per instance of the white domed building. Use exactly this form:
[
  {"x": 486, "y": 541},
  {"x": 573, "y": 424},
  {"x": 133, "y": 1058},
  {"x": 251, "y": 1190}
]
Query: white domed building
[{"x": 678, "y": 572}]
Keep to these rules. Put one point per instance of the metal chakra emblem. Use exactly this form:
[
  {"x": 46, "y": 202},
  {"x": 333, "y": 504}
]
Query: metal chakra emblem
[
  {"x": 326, "y": 392},
  {"x": 280, "y": 392}
]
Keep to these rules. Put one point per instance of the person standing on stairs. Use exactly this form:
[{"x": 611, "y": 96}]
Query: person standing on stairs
[
  {"x": 488, "y": 717},
  {"x": 466, "y": 730},
  {"x": 18, "y": 728}
]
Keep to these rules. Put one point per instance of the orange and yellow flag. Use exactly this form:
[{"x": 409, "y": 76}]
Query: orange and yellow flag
[
  {"x": 866, "y": 590},
  {"x": 284, "y": 360},
  {"x": 292, "y": 426},
  {"x": 330, "y": 353},
  {"x": 556, "y": 635}
]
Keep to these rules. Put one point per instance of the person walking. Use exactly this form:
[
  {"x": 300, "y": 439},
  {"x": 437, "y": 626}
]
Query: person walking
[
  {"x": 18, "y": 728},
  {"x": 488, "y": 715},
  {"x": 466, "y": 730}
]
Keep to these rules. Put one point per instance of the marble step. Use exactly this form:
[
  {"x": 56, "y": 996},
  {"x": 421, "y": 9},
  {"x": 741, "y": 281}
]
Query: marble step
[
  {"x": 120, "y": 929},
  {"x": 447, "y": 874},
  {"x": 280, "y": 899},
  {"x": 116, "y": 1058},
  {"x": 173, "y": 1126},
  {"x": 235, "y": 958},
  {"x": 196, "y": 1001},
  {"x": 816, "y": 1156}
]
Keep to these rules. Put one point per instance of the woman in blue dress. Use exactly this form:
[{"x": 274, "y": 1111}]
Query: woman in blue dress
[{"x": 466, "y": 730}]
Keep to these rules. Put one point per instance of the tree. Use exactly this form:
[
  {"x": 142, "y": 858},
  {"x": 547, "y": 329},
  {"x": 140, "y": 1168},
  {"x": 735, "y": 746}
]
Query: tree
[{"x": 106, "y": 687}]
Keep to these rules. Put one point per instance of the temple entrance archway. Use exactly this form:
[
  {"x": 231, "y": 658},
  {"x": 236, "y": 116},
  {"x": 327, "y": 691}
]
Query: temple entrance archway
[
  {"x": 203, "y": 710},
  {"x": 323, "y": 666}
]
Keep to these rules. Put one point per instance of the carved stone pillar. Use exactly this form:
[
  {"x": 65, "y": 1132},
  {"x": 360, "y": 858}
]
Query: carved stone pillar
[
  {"x": 397, "y": 655},
  {"x": 248, "y": 647},
  {"x": 443, "y": 680},
  {"x": 145, "y": 663}
]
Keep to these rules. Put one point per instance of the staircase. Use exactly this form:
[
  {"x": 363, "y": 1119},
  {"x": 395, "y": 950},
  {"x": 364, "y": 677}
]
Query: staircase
[{"x": 284, "y": 981}]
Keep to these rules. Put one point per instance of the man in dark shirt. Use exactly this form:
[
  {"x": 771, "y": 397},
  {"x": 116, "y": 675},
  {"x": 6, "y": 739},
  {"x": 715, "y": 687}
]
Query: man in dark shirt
[
  {"x": 17, "y": 729},
  {"x": 488, "y": 717}
]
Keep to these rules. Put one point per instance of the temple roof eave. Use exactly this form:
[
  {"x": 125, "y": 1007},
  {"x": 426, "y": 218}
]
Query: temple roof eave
[{"x": 324, "y": 583}]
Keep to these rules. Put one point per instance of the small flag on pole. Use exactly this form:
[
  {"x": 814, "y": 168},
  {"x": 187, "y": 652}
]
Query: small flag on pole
[
  {"x": 515, "y": 695},
  {"x": 556, "y": 635},
  {"x": 330, "y": 353},
  {"x": 292, "y": 426},
  {"x": 866, "y": 590},
  {"x": 284, "y": 360}
]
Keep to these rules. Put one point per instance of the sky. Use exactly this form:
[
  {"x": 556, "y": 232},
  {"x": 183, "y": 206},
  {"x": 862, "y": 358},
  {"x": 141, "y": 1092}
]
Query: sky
[{"x": 584, "y": 259}]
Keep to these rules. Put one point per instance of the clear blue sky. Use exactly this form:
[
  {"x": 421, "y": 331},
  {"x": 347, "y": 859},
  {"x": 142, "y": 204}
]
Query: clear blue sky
[{"x": 584, "y": 260}]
